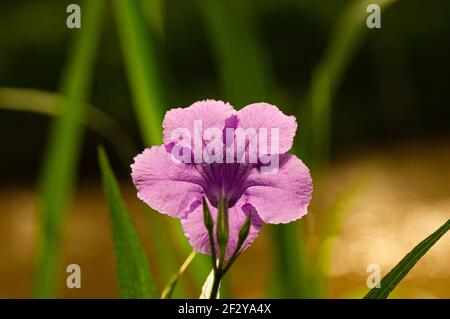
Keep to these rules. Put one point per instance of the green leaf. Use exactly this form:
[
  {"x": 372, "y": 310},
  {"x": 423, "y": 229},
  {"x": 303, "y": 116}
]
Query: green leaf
[
  {"x": 291, "y": 278},
  {"x": 142, "y": 69},
  {"x": 133, "y": 271},
  {"x": 393, "y": 278},
  {"x": 140, "y": 56},
  {"x": 246, "y": 75},
  {"x": 154, "y": 12},
  {"x": 63, "y": 149},
  {"x": 348, "y": 34},
  {"x": 145, "y": 78},
  {"x": 346, "y": 37},
  {"x": 170, "y": 287}
]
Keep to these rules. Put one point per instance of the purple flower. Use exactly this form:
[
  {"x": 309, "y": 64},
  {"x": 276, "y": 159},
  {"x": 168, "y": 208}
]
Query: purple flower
[{"x": 176, "y": 188}]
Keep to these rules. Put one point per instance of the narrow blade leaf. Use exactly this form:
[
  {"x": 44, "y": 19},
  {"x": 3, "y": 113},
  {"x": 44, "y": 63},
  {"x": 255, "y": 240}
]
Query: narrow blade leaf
[
  {"x": 393, "y": 278},
  {"x": 63, "y": 149},
  {"x": 133, "y": 271},
  {"x": 51, "y": 104},
  {"x": 146, "y": 81},
  {"x": 346, "y": 39},
  {"x": 242, "y": 61},
  {"x": 142, "y": 69}
]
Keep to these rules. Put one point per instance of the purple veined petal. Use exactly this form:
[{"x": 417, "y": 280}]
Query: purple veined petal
[
  {"x": 166, "y": 186},
  {"x": 202, "y": 115},
  {"x": 266, "y": 116},
  {"x": 195, "y": 231},
  {"x": 281, "y": 197}
]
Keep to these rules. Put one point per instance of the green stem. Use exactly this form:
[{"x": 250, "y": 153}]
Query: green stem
[
  {"x": 216, "y": 284},
  {"x": 170, "y": 287}
]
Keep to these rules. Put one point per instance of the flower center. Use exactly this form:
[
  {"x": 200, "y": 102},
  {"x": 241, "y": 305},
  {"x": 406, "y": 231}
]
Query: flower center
[{"x": 226, "y": 179}]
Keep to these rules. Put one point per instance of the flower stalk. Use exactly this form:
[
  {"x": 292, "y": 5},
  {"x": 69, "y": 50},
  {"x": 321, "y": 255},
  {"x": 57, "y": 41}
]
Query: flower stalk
[{"x": 222, "y": 237}]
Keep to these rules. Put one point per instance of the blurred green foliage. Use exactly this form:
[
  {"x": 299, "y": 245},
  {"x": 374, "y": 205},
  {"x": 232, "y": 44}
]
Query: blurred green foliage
[
  {"x": 308, "y": 57},
  {"x": 61, "y": 161}
]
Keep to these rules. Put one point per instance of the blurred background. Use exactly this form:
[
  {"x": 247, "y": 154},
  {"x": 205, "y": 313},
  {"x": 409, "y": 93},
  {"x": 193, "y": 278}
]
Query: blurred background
[{"x": 374, "y": 126}]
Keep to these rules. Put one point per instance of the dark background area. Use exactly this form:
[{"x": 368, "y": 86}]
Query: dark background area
[{"x": 395, "y": 88}]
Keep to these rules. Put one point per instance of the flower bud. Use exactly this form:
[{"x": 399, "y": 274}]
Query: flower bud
[
  {"x": 245, "y": 230},
  {"x": 222, "y": 226},
  {"x": 209, "y": 224},
  {"x": 207, "y": 218}
]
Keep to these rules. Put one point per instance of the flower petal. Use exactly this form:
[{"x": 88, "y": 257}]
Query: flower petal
[
  {"x": 166, "y": 186},
  {"x": 280, "y": 197},
  {"x": 195, "y": 230},
  {"x": 212, "y": 114},
  {"x": 264, "y": 115}
]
